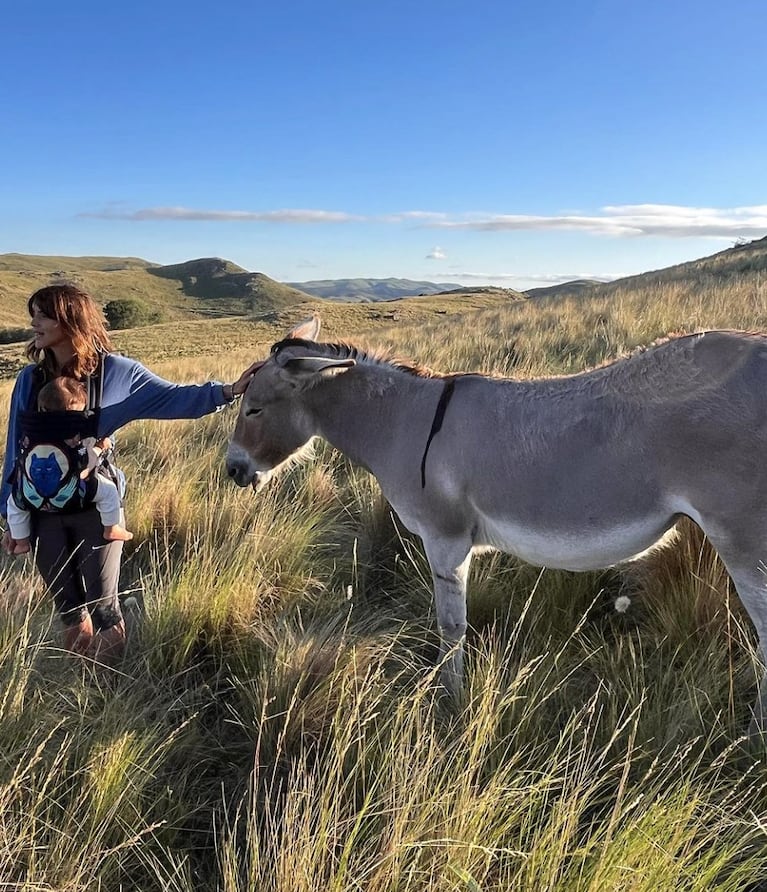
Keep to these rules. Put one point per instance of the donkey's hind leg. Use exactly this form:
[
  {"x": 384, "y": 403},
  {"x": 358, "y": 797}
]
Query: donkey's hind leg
[{"x": 751, "y": 584}]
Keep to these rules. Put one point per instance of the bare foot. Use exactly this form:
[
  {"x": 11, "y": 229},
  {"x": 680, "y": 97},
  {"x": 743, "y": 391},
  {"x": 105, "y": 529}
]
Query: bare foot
[
  {"x": 21, "y": 547},
  {"x": 77, "y": 639},
  {"x": 109, "y": 644},
  {"x": 117, "y": 533}
]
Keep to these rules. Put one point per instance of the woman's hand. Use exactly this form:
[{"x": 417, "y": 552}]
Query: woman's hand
[{"x": 241, "y": 384}]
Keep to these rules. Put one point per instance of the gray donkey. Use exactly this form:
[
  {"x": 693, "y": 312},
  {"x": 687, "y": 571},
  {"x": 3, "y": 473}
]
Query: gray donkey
[{"x": 578, "y": 472}]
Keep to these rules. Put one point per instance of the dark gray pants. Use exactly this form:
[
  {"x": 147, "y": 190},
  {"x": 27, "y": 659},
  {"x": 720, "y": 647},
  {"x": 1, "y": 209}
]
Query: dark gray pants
[{"x": 80, "y": 568}]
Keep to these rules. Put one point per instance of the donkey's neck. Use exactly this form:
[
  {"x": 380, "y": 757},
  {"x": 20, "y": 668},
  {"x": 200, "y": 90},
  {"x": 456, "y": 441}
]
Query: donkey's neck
[{"x": 365, "y": 411}]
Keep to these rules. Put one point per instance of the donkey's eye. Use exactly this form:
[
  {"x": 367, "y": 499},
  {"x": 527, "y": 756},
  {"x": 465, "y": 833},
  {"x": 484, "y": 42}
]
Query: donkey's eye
[{"x": 253, "y": 412}]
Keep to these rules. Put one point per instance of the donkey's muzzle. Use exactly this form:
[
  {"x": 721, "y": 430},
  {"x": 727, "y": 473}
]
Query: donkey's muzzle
[
  {"x": 243, "y": 475},
  {"x": 239, "y": 472}
]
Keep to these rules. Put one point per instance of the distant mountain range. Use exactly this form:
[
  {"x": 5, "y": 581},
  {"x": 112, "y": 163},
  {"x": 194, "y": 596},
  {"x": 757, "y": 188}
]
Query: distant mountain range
[{"x": 371, "y": 289}]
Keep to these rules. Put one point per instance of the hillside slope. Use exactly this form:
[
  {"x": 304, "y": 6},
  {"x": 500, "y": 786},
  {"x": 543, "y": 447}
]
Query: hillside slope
[
  {"x": 575, "y": 286},
  {"x": 493, "y": 290},
  {"x": 739, "y": 260},
  {"x": 191, "y": 290}
]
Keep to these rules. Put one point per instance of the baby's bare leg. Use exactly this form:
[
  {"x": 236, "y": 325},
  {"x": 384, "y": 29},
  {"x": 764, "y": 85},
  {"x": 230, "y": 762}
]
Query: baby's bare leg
[{"x": 109, "y": 505}]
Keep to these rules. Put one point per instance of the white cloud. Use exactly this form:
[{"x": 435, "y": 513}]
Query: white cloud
[
  {"x": 182, "y": 213},
  {"x": 637, "y": 220},
  {"x": 423, "y": 217},
  {"x": 436, "y": 253},
  {"x": 628, "y": 220},
  {"x": 486, "y": 277}
]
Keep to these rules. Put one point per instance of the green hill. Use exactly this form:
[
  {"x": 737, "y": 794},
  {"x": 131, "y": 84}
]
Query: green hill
[
  {"x": 573, "y": 287},
  {"x": 62, "y": 266},
  {"x": 740, "y": 259},
  {"x": 191, "y": 290},
  {"x": 746, "y": 257},
  {"x": 493, "y": 290},
  {"x": 222, "y": 288}
]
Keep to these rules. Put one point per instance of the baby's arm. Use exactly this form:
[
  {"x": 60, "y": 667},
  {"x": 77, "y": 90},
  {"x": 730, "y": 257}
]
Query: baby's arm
[{"x": 93, "y": 449}]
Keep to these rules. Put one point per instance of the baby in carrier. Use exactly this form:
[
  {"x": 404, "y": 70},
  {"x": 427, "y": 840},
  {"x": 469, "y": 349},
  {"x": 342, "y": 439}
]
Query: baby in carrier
[{"x": 69, "y": 395}]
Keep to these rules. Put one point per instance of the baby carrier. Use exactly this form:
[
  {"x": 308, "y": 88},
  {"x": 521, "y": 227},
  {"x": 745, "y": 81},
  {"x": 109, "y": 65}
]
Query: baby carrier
[{"x": 46, "y": 475}]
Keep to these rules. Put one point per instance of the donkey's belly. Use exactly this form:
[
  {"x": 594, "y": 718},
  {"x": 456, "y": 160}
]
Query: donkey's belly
[{"x": 579, "y": 548}]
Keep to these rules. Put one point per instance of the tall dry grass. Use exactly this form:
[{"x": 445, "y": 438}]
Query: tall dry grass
[{"x": 276, "y": 727}]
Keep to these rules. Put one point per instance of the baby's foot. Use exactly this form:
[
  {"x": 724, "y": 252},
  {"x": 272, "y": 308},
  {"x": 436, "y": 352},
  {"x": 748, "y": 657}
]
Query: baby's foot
[
  {"x": 21, "y": 547},
  {"x": 117, "y": 533}
]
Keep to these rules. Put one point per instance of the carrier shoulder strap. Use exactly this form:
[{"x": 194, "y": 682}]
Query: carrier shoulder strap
[
  {"x": 95, "y": 388},
  {"x": 38, "y": 381}
]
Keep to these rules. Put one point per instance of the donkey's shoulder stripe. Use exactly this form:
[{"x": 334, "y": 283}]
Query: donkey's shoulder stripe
[{"x": 439, "y": 415}]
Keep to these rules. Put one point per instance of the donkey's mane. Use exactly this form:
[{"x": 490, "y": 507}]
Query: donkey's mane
[
  {"x": 617, "y": 364},
  {"x": 349, "y": 351}
]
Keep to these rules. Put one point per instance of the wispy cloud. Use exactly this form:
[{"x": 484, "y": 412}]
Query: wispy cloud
[
  {"x": 631, "y": 220},
  {"x": 628, "y": 220},
  {"x": 436, "y": 253},
  {"x": 182, "y": 213},
  {"x": 423, "y": 217}
]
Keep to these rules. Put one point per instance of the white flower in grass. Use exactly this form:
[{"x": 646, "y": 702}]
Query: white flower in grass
[{"x": 622, "y": 603}]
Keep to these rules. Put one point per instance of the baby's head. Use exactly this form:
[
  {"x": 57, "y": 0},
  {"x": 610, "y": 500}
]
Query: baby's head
[{"x": 62, "y": 395}]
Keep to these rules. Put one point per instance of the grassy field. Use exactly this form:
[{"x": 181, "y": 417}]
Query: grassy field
[
  {"x": 208, "y": 341},
  {"x": 275, "y": 725}
]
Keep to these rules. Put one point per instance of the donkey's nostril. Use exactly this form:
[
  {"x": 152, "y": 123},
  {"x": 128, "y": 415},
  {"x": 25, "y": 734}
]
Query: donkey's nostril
[{"x": 232, "y": 470}]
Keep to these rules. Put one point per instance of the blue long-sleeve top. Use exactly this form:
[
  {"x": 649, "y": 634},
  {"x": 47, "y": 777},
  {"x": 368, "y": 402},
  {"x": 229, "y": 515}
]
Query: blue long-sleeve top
[{"x": 131, "y": 392}]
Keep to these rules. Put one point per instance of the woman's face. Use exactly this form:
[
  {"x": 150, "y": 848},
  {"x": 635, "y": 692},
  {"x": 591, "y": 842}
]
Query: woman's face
[{"x": 48, "y": 332}]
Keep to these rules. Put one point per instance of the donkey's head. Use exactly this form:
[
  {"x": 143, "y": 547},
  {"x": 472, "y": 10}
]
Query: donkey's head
[{"x": 274, "y": 424}]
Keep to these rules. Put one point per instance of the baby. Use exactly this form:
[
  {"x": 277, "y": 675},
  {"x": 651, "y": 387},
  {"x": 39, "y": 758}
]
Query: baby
[{"x": 69, "y": 395}]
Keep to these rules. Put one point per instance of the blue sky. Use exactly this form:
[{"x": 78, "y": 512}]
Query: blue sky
[{"x": 505, "y": 142}]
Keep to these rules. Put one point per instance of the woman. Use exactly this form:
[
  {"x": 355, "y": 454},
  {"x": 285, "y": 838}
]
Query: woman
[{"x": 79, "y": 567}]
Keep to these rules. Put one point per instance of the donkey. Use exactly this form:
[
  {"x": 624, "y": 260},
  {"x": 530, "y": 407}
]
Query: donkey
[{"x": 578, "y": 472}]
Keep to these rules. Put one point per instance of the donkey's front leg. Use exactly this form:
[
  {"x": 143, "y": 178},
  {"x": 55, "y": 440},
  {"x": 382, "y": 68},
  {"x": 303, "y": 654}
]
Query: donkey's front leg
[{"x": 449, "y": 561}]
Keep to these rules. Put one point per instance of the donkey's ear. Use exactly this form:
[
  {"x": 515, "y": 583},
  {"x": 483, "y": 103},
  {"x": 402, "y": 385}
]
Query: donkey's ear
[
  {"x": 307, "y": 331},
  {"x": 315, "y": 365}
]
